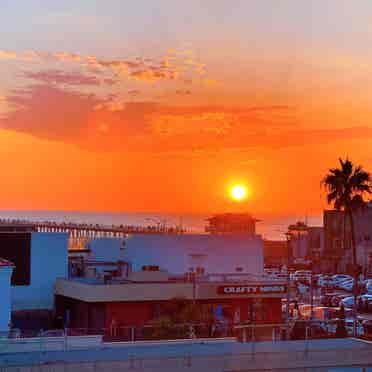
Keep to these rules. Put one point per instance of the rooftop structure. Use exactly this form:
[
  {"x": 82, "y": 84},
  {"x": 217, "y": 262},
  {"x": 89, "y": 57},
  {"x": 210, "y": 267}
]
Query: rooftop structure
[{"x": 231, "y": 223}]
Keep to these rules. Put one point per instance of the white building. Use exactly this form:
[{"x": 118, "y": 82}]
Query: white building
[
  {"x": 39, "y": 259},
  {"x": 6, "y": 269},
  {"x": 210, "y": 254},
  {"x": 106, "y": 249}
]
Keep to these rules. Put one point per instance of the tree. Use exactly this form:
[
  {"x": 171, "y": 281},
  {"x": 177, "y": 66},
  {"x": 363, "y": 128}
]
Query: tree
[{"x": 345, "y": 188}]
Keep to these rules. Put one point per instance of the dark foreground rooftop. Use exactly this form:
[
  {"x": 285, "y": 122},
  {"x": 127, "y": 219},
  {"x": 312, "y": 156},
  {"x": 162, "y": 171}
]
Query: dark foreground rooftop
[{"x": 204, "y": 356}]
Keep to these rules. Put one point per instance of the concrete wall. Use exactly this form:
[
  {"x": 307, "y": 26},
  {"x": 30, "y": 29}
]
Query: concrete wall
[
  {"x": 5, "y": 303},
  {"x": 207, "y": 356},
  {"x": 49, "y": 261},
  {"x": 179, "y": 253}
]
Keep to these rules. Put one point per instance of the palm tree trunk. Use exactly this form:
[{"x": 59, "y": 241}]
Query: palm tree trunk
[
  {"x": 355, "y": 272},
  {"x": 353, "y": 242}
]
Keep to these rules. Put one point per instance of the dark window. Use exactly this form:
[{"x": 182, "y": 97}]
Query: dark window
[{"x": 16, "y": 247}]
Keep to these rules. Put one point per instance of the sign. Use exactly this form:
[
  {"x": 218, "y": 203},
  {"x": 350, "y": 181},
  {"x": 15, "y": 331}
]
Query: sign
[{"x": 251, "y": 289}]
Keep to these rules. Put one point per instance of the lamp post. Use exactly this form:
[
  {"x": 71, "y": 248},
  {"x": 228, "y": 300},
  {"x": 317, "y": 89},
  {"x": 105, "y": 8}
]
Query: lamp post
[{"x": 288, "y": 236}]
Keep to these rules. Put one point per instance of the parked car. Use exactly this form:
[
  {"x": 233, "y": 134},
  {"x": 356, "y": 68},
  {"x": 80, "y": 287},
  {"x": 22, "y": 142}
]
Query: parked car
[
  {"x": 303, "y": 276},
  {"x": 325, "y": 281},
  {"x": 368, "y": 285},
  {"x": 348, "y": 301},
  {"x": 366, "y": 305},
  {"x": 53, "y": 333},
  {"x": 349, "y": 325},
  {"x": 346, "y": 285},
  {"x": 337, "y": 298},
  {"x": 338, "y": 278},
  {"x": 14, "y": 333}
]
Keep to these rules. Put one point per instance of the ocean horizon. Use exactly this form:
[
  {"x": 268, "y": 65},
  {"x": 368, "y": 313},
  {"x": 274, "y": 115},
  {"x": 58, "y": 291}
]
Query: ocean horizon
[{"x": 269, "y": 227}]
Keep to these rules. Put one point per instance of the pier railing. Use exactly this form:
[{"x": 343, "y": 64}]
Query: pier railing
[{"x": 87, "y": 230}]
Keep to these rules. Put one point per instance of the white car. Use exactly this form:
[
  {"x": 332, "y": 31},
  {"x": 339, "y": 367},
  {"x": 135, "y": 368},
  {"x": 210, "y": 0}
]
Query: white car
[
  {"x": 347, "y": 285},
  {"x": 338, "y": 278},
  {"x": 302, "y": 276},
  {"x": 368, "y": 285},
  {"x": 325, "y": 281},
  {"x": 348, "y": 302}
]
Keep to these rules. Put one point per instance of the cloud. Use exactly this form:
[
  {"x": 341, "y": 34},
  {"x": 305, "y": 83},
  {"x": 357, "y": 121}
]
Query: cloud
[
  {"x": 168, "y": 67},
  {"x": 7, "y": 55},
  {"x": 133, "y": 92},
  {"x": 52, "y": 113},
  {"x": 183, "y": 92},
  {"x": 61, "y": 77}
]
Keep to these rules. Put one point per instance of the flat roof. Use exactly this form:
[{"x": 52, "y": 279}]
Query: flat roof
[{"x": 89, "y": 290}]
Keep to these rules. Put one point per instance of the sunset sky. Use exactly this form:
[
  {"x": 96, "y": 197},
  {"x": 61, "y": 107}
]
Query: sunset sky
[{"x": 160, "y": 105}]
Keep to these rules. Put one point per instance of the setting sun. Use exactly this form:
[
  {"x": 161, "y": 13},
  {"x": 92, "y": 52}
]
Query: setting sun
[{"x": 238, "y": 192}]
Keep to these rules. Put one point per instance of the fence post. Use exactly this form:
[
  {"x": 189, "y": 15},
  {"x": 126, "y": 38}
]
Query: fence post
[
  {"x": 132, "y": 333},
  {"x": 65, "y": 339},
  {"x": 307, "y": 334},
  {"x": 252, "y": 342}
]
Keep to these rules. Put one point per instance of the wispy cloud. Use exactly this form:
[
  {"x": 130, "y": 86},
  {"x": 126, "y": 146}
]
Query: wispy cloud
[
  {"x": 61, "y": 77},
  {"x": 53, "y": 113},
  {"x": 168, "y": 67}
]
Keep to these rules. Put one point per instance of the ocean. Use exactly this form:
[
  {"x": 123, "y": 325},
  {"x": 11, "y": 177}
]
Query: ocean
[{"x": 269, "y": 227}]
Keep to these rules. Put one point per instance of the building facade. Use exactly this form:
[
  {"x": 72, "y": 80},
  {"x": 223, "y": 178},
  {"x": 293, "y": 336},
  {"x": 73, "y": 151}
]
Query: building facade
[
  {"x": 6, "y": 269},
  {"x": 178, "y": 254},
  {"x": 39, "y": 259},
  {"x": 136, "y": 304},
  {"x": 337, "y": 233}
]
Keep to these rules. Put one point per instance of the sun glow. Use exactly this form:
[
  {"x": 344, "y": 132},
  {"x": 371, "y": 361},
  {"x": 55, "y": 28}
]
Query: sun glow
[{"x": 238, "y": 192}]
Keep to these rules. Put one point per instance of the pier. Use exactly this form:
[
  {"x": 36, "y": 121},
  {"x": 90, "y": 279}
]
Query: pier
[{"x": 84, "y": 230}]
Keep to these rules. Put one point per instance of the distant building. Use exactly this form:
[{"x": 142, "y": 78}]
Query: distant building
[
  {"x": 106, "y": 249},
  {"x": 306, "y": 244},
  {"x": 275, "y": 252},
  {"x": 6, "y": 269},
  {"x": 337, "y": 233},
  {"x": 223, "y": 274},
  {"x": 179, "y": 254},
  {"x": 232, "y": 223}
]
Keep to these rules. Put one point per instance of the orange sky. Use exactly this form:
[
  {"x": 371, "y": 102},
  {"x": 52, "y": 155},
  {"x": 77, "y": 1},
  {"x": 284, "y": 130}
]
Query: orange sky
[{"x": 161, "y": 107}]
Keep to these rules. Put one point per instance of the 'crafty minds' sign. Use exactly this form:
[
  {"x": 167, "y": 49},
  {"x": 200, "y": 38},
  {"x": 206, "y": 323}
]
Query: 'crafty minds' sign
[{"x": 250, "y": 289}]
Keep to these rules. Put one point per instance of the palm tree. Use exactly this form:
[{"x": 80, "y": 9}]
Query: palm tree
[{"x": 346, "y": 187}]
